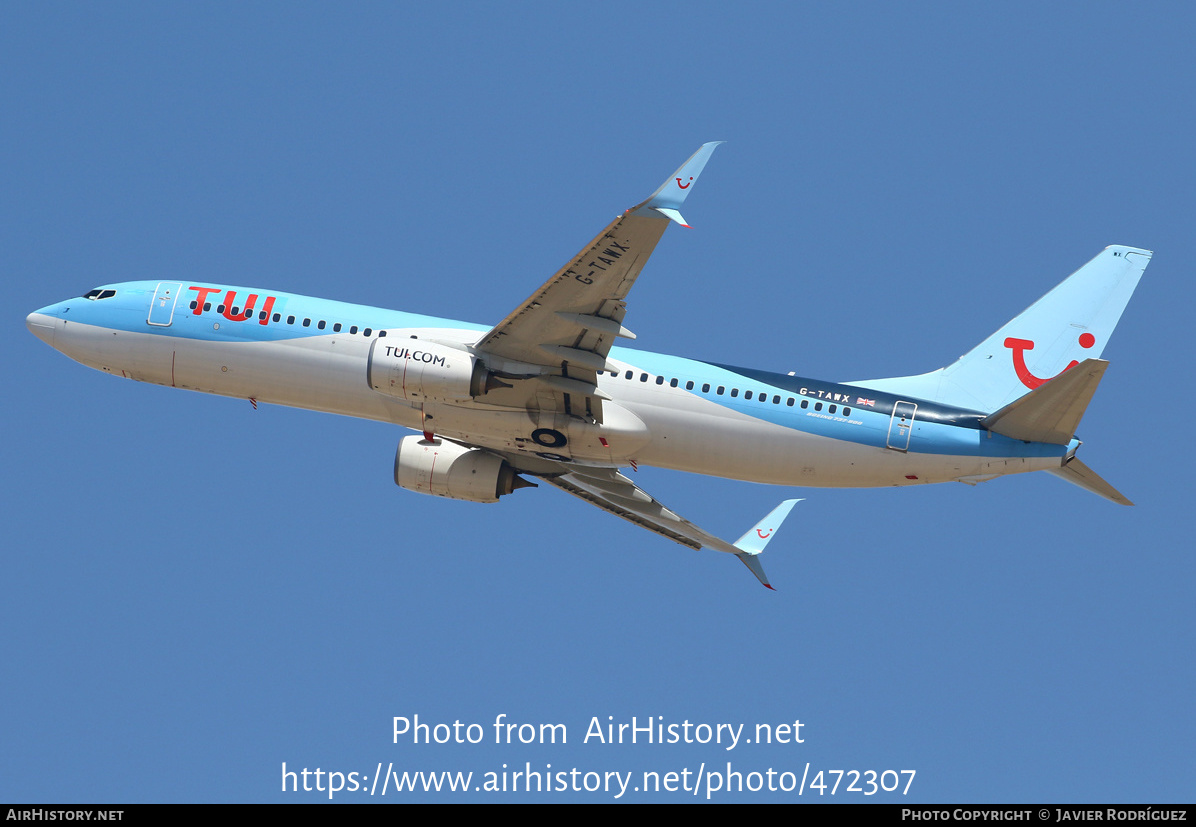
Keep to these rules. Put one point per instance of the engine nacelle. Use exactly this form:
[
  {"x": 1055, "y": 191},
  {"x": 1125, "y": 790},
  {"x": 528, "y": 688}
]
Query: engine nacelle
[
  {"x": 446, "y": 469},
  {"x": 418, "y": 370}
]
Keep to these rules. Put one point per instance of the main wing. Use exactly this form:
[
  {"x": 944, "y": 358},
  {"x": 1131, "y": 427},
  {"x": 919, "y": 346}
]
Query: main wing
[
  {"x": 612, "y": 491},
  {"x": 558, "y": 339},
  {"x": 546, "y": 355}
]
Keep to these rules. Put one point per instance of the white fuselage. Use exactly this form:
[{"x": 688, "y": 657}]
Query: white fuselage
[{"x": 777, "y": 437}]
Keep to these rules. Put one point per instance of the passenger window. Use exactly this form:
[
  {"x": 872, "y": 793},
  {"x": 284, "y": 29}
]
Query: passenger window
[
  {"x": 629, "y": 375},
  {"x": 207, "y": 306},
  {"x": 818, "y": 406},
  {"x": 747, "y": 394},
  {"x": 831, "y": 409},
  {"x": 381, "y": 333},
  {"x": 261, "y": 317},
  {"x": 776, "y": 400},
  {"x": 643, "y": 377},
  {"x": 805, "y": 403},
  {"x": 672, "y": 383},
  {"x": 290, "y": 319},
  {"x": 307, "y": 322},
  {"x": 367, "y": 332},
  {"x": 720, "y": 390},
  {"x": 321, "y": 324},
  {"x": 789, "y": 402},
  {"x": 353, "y": 329},
  {"x": 220, "y": 309},
  {"x": 336, "y": 328},
  {"x": 689, "y": 386},
  {"x": 847, "y": 411},
  {"x": 194, "y": 304},
  {"x": 660, "y": 380},
  {"x": 277, "y": 316}
]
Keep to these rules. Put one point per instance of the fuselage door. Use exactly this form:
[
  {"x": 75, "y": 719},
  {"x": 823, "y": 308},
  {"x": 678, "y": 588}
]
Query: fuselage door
[
  {"x": 161, "y": 311},
  {"x": 901, "y": 425}
]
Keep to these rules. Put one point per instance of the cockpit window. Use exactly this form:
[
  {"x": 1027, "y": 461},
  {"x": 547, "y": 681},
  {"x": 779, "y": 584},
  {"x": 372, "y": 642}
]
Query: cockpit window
[{"x": 99, "y": 294}]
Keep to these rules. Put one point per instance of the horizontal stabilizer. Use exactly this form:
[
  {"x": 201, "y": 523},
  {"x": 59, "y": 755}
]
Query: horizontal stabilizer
[
  {"x": 1052, "y": 411},
  {"x": 1077, "y": 473}
]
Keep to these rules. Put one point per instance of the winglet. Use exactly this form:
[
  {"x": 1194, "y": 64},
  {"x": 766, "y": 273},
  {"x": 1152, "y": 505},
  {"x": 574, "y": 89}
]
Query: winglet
[
  {"x": 752, "y": 543},
  {"x": 755, "y": 568},
  {"x": 757, "y": 537},
  {"x": 671, "y": 195}
]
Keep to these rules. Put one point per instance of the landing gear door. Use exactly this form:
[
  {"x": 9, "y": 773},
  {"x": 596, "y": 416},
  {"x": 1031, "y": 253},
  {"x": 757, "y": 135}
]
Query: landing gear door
[
  {"x": 552, "y": 427},
  {"x": 161, "y": 311},
  {"x": 901, "y": 425}
]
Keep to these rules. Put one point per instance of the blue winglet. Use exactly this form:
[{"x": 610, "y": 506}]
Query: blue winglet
[
  {"x": 757, "y": 537},
  {"x": 671, "y": 195}
]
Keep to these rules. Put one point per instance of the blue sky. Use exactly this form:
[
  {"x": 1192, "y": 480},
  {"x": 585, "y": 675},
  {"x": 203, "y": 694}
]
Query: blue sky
[{"x": 195, "y": 592}]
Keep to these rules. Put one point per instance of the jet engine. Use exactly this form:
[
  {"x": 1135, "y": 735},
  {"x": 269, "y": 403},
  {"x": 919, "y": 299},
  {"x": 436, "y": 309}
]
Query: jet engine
[
  {"x": 418, "y": 370},
  {"x": 446, "y": 469}
]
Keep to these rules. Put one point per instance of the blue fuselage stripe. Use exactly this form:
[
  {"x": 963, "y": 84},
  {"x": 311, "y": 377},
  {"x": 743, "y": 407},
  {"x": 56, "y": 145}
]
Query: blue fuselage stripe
[{"x": 936, "y": 428}]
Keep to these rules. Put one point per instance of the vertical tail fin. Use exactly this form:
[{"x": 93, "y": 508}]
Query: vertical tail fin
[{"x": 1071, "y": 323}]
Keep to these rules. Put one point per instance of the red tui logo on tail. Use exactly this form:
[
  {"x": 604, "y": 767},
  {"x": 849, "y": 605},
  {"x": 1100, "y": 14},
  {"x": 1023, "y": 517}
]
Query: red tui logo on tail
[{"x": 1019, "y": 348}]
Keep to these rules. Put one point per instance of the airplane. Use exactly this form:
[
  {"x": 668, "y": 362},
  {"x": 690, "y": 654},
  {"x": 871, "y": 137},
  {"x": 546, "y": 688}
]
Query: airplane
[{"x": 547, "y": 394}]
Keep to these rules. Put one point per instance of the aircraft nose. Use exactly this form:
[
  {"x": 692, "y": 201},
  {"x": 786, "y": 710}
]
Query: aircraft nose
[{"x": 41, "y": 325}]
